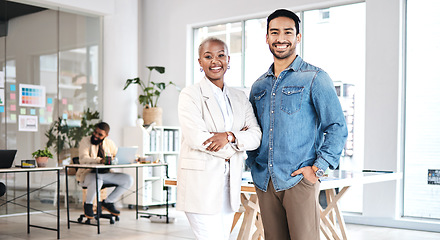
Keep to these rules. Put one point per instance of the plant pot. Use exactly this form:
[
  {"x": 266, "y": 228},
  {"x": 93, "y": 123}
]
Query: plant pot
[
  {"x": 152, "y": 115},
  {"x": 42, "y": 161}
]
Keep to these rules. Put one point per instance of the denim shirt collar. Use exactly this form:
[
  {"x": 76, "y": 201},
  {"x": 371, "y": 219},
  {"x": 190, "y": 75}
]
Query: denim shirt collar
[{"x": 294, "y": 66}]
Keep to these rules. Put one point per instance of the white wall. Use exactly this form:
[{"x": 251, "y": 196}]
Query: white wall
[
  {"x": 382, "y": 120},
  {"x": 120, "y": 63}
]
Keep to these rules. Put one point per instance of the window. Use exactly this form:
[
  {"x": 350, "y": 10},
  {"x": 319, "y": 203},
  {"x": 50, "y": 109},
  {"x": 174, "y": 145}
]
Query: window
[
  {"x": 247, "y": 63},
  {"x": 422, "y": 115},
  {"x": 231, "y": 34},
  {"x": 334, "y": 40}
]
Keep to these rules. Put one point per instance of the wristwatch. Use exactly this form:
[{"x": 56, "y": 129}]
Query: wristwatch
[
  {"x": 230, "y": 136},
  {"x": 318, "y": 171}
]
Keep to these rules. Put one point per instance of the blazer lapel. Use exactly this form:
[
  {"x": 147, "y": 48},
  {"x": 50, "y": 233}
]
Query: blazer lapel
[
  {"x": 236, "y": 111},
  {"x": 212, "y": 106}
]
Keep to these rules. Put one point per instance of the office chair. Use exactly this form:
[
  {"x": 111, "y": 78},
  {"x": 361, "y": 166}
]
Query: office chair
[
  {"x": 2, "y": 189},
  {"x": 109, "y": 216}
]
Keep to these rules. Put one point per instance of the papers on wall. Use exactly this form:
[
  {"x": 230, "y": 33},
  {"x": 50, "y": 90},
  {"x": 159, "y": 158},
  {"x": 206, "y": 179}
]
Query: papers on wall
[{"x": 27, "y": 123}]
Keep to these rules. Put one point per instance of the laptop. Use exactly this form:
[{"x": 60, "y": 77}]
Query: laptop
[
  {"x": 7, "y": 158},
  {"x": 126, "y": 155}
]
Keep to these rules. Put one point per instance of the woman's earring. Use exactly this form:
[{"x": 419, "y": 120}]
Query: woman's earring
[
  {"x": 201, "y": 69},
  {"x": 229, "y": 66}
]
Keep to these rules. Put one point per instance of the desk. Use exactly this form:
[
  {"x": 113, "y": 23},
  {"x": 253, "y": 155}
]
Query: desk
[
  {"x": 100, "y": 166},
  {"x": 336, "y": 179},
  {"x": 28, "y": 171}
]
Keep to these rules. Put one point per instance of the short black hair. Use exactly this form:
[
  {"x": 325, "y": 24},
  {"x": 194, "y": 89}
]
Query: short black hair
[
  {"x": 213, "y": 39},
  {"x": 284, "y": 13},
  {"x": 103, "y": 126}
]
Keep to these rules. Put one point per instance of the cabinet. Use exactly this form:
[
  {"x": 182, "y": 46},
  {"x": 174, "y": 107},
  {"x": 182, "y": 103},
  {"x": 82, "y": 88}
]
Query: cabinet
[{"x": 156, "y": 143}]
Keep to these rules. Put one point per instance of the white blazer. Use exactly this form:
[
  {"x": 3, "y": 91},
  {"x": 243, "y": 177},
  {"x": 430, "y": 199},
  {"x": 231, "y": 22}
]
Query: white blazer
[{"x": 200, "y": 172}]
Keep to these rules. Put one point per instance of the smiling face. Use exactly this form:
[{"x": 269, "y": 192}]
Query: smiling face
[
  {"x": 282, "y": 38},
  {"x": 214, "y": 59},
  {"x": 98, "y": 136}
]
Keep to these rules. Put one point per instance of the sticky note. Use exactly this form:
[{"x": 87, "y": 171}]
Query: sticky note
[
  {"x": 2, "y": 109},
  {"x": 22, "y": 111},
  {"x": 13, "y": 117},
  {"x": 49, "y": 119},
  {"x": 32, "y": 111},
  {"x": 41, "y": 111},
  {"x": 49, "y": 101},
  {"x": 64, "y": 115},
  {"x": 42, "y": 120},
  {"x": 13, "y": 107},
  {"x": 70, "y": 107},
  {"x": 49, "y": 108},
  {"x": 12, "y": 96},
  {"x": 64, "y": 101},
  {"x": 12, "y": 87}
]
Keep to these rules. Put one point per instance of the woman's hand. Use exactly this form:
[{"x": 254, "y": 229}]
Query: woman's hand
[
  {"x": 308, "y": 174},
  {"x": 216, "y": 142}
]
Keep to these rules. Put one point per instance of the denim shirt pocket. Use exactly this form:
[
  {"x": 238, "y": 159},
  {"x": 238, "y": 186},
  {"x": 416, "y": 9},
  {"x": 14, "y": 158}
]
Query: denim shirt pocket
[
  {"x": 291, "y": 99},
  {"x": 259, "y": 103}
]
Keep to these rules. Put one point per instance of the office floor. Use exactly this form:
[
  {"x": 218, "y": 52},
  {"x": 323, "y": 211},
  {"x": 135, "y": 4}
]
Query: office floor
[{"x": 14, "y": 228}]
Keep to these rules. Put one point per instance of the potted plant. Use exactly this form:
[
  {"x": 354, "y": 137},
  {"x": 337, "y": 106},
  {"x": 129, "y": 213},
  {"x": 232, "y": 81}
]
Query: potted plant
[
  {"x": 42, "y": 156},
  {"x": 150, "y": 95},
  {"x": 64, "y": 136}
]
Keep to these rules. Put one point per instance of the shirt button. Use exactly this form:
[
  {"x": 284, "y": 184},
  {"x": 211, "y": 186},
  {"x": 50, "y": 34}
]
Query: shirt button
[
  {"x": 270, "y": 165},
  {"x": 272, "y": 111},
  {"x": 271, "y": 129},
  {"x": 270, "y": 148},
  {"x": 273, "y": 94}
]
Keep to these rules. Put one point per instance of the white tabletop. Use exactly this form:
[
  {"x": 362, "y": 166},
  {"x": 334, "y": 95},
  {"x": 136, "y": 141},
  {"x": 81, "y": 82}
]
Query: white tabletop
[
  {"x": 96, "y": 166},
  {"x": 36, "y": 169},
  {"x": 340, "y": 178}
]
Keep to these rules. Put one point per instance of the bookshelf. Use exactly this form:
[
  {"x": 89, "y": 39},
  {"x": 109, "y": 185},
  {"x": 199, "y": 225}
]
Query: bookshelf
[{"x": 156, "y": 143}]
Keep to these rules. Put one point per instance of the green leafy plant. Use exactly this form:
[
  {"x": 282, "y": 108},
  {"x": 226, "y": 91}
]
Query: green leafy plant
[
  {"x": 62, "y": 136},
  {"x": 42, "y": 153},
  {"x": 150, "y": 91}
]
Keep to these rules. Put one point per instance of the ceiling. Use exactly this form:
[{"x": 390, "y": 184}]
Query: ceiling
[{"x": 9, "y": 10}]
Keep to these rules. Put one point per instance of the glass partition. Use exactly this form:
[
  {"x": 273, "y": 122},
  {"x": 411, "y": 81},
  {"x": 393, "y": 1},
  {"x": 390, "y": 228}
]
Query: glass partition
[{"x": 50, "y": 71}]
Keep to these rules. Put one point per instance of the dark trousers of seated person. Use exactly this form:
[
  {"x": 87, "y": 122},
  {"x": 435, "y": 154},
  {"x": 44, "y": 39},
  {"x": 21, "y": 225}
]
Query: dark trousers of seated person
[
  {"x": 122, "y": 180},
  {"x": 291, "y": 214}
]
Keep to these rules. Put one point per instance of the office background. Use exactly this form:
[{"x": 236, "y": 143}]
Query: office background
[{"x": 153, "y": 32}]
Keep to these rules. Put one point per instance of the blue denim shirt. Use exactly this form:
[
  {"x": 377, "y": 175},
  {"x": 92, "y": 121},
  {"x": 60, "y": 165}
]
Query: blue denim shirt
[{"x": 302, "y": 123}]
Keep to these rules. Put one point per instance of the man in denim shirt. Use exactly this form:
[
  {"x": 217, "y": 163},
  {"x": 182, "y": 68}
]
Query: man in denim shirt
[{"x": 304, "y": 132}]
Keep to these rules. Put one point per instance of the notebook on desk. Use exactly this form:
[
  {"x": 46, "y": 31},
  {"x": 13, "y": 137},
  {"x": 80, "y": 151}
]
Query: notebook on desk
[
  {"x": 126, "y": 155},
  {"x": 7, "y": 158}
]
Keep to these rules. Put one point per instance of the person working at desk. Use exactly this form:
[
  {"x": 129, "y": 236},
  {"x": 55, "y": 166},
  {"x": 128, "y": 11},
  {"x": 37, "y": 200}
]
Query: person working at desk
[
  {"x": 93, "y": 150},
  {"x": 218, "y": 125},
  {"x": 304, "y": 132}
]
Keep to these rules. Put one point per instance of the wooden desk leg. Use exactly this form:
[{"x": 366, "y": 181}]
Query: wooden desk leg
[
  {"x": 250, "y": 216},
  {"x": 329, "y": 196},
  {"x": 327, "y": 225},
  {"x": 237, "y": 216},
  {"x": 259, "y": 233},
  {"x": 340, "y": 220}
]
